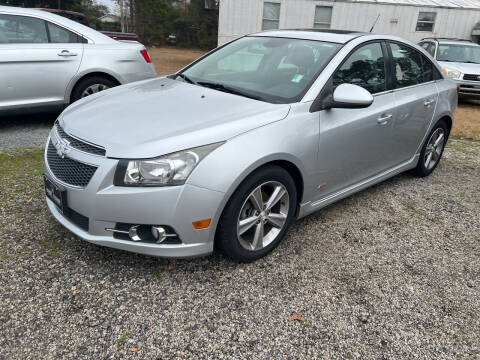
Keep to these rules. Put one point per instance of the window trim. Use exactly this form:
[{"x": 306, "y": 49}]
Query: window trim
[
  {"x": 317, "y": 104},
  {"x": 436, "y": 74},
  {"x": 385, "y": 69},
  {"x": 80, "y": 38},
  {"x": 84, "y": 39},
  {"x": 426, "y": 22},
  {"x": 279, "y": 13},
  {"x": 315, "y": 13}
]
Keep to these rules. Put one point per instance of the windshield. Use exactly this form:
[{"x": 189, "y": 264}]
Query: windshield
[
  {"x": 276, "y": 70},
  {"x": 459, "y": 53}
]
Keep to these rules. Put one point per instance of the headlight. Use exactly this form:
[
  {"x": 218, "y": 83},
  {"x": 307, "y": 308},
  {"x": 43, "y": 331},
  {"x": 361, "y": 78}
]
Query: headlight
[
  {"x": 452, "y": 73},
  {"x": 167, "y": 170}
]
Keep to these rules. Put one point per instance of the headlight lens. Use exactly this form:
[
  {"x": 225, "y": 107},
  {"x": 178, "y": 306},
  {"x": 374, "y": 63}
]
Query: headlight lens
[
  {"x": 167, "y": 170},
  {"x": 452, "y": 73}
]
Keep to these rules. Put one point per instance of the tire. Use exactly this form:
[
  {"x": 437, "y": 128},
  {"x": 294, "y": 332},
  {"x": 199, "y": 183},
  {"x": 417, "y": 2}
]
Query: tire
[
  {"x": 233, "y": 239},
  {"x": 89, "y": 83},
  {"x": 425, "y": 167}
]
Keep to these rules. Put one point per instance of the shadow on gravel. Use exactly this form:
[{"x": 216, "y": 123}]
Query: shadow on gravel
[{"x": 28, "y": 120}]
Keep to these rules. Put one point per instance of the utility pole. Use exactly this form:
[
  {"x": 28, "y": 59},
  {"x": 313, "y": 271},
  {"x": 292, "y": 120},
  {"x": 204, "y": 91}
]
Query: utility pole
[
  {"x": 59, "y": 4},
  {"x": 122, "y": 16}
]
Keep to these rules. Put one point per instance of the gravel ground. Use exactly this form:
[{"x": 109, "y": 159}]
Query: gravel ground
[
  {"x": 25, "y": 131},
  {"x": 390, "y": 273}
]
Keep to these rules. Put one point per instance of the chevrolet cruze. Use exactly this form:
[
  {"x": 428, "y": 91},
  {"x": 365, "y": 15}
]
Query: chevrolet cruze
[{"x": 227, "y": 152}]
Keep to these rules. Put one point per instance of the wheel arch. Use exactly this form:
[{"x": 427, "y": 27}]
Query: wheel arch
[
  {"x": 292, "y": 168},
  {"x": 90, "y": 75},
  {"x": 449, "y": 121}
]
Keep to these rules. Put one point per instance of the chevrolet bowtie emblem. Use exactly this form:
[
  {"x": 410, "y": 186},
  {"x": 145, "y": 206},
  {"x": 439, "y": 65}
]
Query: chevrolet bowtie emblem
[{"x": 63, "y": 147}]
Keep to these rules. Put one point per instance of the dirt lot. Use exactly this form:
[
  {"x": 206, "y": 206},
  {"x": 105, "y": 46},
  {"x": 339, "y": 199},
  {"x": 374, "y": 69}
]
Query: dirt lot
[
  {"x": 168, "y": 60},
  {"x": 389, "y": 273}
]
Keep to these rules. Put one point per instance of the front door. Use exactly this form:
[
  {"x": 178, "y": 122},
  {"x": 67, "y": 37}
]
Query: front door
[{"x": 355, "y": 143}]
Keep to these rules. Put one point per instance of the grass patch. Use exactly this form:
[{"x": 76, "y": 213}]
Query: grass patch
[{"x": 21, "y": 175}]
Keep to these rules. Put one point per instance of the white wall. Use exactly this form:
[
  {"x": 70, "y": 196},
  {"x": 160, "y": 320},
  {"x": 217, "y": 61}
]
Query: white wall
[{"x": 240, "y": 17}]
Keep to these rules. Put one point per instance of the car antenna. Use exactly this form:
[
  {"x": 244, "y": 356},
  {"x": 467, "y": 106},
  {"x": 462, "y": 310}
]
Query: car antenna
[{"x": 375, "y": 23}]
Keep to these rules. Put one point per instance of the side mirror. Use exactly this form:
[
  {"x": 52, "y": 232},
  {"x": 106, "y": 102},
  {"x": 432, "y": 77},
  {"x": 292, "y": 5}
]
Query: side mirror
[{"x": 351, "y": 97}]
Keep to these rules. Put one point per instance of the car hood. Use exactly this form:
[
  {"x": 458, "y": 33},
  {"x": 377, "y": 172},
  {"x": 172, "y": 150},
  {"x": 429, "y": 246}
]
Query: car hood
[
  {"x": 156, "y": 117},
  {"x": 464, "y": 68}
]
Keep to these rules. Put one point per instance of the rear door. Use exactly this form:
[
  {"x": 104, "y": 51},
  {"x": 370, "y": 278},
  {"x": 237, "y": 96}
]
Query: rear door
[
  {"x": 416, "y": 96},
  {"x": 355, "y": 143},
  {"x": 38, "y": 59}
]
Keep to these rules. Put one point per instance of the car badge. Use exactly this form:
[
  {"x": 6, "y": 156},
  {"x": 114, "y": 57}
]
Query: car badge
[{"x": 63, "y": 147}]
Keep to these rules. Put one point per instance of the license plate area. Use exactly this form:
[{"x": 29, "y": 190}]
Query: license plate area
[{"x": 56, "y": 193}]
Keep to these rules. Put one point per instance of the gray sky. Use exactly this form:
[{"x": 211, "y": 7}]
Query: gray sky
[{"x": 111, "y": 5}]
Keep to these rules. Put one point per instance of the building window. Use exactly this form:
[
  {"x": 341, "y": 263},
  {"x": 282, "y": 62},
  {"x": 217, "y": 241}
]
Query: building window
[
  {"x": 323, "y": 17},
  {"x": 271, "y": 16},
  {"x": 426, "y": 21}
]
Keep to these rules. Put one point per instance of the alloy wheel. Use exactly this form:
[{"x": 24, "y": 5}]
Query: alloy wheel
[
  {"x": 93, "y": 89},
  {"x": 263, "y": 215},
  {"x": 434, "y": 148}
]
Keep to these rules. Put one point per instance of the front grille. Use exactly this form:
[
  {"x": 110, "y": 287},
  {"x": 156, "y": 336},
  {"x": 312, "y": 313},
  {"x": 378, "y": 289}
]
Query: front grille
[
  {"x": 78, "y": 219},
  {"x": 67, "y": 170},
  {"x": 78, "y": 144},
  {"x": 471, "y": 77}
]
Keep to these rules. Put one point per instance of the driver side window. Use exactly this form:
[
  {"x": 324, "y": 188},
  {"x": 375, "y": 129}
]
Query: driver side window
[{"x": 365, "y": 68}]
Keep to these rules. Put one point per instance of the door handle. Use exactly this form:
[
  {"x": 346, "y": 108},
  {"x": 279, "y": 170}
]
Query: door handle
[
  {"x": 382, "y": 120},
  {"x": 428, "y": 102},
  {"x": 66, "y": 53}
]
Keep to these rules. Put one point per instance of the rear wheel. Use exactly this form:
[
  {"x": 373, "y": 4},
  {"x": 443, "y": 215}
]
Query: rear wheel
[
  {"x": 432, "y": 150},
  {"x": 258, "y": 215},
  {"x": 90, "y": 86}
]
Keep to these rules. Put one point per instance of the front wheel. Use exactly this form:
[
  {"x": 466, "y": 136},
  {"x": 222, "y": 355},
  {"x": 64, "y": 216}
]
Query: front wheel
[
  {"x": 257, "y": 215},
  {"x": 432, "y": 150}
]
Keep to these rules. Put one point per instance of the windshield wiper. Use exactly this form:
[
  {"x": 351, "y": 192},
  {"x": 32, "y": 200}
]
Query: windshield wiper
[
  {"x": 186, "y": 78},
  {"x": 228, "y": 89}
]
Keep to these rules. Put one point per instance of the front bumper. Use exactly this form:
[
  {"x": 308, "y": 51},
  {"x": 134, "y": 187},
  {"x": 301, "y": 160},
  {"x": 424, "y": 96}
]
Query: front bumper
[
  {"x": 105, "y": 205},
  {"x": 468, "y": 89}
]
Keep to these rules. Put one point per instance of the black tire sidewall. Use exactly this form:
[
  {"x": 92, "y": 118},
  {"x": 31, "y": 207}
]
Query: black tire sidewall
[
  {"x": 421, "y": 170},
  {"x": 226, "y": 236},
  {"x": 85, "y": 83}
]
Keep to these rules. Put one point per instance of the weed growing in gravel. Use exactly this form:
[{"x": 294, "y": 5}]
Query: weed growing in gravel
[{"x": 122, "y": 339}]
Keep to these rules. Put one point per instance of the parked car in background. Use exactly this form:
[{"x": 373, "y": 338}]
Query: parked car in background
[
  {"x": 230, "y": 150},
  {"x": 460, "y": 60},
  {"x": 82, "y": 19},
  {"x": 48, "y": 61}
]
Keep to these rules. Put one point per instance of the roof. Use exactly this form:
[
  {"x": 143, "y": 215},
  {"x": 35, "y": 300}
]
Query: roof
[
  {"x": 327, "y": 35},
  {"x": 462, "y": 4},
  {"x": 85, "y": 31},
  {"x": 457, "y": 42},
  {"x": 59, "y": 11}
]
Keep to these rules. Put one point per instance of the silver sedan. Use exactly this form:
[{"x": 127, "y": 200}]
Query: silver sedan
[
  {"x": 226, "y": 153},
  {"x": 48, "y": 61}
]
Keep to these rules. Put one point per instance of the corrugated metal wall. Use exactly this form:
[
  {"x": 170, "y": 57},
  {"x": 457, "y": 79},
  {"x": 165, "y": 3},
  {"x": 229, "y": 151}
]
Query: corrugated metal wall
[{"x": 240, "y": 17}]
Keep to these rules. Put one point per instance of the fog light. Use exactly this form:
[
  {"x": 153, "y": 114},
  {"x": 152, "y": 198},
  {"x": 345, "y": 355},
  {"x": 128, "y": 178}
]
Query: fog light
[
  {"x": 132, "y": 232},
  {"x": 159, "y": 233}
]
